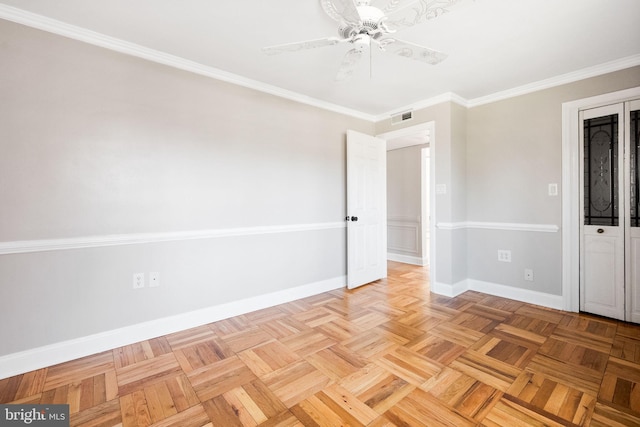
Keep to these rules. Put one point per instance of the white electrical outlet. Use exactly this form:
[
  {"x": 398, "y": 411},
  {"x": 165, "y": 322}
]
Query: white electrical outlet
[
  {"x": 138, "y": 280},
  {"x": 528, "y": 274},
  {"x": 154, "y": 279},
  {"x": 504, "y": 255}
]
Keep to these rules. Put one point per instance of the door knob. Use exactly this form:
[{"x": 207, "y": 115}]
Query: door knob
[
  {"x": 354, "y": 218},
  {"x": 600, "y": 231}
]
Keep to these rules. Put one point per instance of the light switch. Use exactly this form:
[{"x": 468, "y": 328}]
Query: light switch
[{"x": 553, "y": 189}]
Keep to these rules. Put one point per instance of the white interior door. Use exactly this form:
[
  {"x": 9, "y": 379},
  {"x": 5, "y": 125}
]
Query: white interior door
[
  {"x": 366, "y": 209},
  {"x": 602, "y": 249}
]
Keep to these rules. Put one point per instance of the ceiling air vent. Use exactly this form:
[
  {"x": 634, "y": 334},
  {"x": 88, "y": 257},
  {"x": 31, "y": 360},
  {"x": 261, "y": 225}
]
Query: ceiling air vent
[{"x": 401, "y": 117}]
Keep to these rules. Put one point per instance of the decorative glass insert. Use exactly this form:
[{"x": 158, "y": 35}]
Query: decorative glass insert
[
  {"x": 635, "y": 167},
  {"x": 601, "y": 182}
]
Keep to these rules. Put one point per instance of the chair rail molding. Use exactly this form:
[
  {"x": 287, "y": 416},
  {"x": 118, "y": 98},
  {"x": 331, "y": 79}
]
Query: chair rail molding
[
  {"x": 27, "y": 246},
  {"x": 509, "y": 226}
]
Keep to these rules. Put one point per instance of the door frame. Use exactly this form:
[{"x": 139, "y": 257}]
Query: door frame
[
  {"x": 425, "y": 200},
  {"x": 571, "y": 189},
  {"x": 411, "y": 130}
]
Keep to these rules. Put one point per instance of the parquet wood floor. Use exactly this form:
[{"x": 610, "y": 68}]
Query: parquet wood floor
[{"x": 389, "y": 353}]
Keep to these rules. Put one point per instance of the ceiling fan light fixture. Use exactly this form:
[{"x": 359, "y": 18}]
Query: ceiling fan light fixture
[
  {"x": 361, "y": 42},
  {"x": 360, "y": 24}
]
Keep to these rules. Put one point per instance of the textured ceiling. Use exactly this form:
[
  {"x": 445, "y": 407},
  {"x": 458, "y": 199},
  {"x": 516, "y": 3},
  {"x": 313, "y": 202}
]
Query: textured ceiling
[{"x": 493, "y": 45}]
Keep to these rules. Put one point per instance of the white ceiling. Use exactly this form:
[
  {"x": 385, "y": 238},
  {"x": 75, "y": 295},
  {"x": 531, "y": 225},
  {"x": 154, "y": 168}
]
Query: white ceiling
[{"x": 493, "y": 45}]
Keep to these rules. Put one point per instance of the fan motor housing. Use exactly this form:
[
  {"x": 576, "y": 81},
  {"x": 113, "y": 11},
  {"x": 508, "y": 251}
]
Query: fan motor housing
[{"x": 370, "y": 16}]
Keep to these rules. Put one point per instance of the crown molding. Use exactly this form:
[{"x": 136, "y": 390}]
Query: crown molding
[
  {"x": 445, "y": 97},
  {"x": 585, "y": 73},
  {"x": 60, "y": 28},
  {"x": 430, "y": 102},
  {"x": 597, "y": 70},
  {"x": 54, "y": 26}
]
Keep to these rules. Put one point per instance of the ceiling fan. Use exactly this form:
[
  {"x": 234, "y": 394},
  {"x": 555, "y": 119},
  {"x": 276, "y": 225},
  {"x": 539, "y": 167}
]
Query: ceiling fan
[{"x": 363, "y": 22}]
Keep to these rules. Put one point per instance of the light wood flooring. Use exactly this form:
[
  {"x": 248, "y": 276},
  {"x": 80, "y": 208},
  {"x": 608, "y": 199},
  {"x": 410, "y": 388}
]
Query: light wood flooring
[{"x": 389, "y": 353}]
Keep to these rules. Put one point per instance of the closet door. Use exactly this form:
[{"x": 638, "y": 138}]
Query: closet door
[{"x": 602, "y": 246}]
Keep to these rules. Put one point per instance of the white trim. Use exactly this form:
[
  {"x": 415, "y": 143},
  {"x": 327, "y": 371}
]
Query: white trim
[
  {"x": 37, "y": 358},
  {"x": 503, "y": 291},
  {"x": 26, "y": 246},
  {"x": 509, "y": 226},
  {"x": 585, "y": 73},
  {"x": 396, "y": 224},
  {"x": 434, "y": 100},
  {"x": 451, "y": 225},
  {"x": 450, "y": 290},
  {"x": 425, "y": 204},
  {"x": 97, "y": 39},
  {"x": 409, "y": 131},
  {"x": 518, "y": 294},
  {"x": 571, "y": 188},
  {"x": 406, "y": 259},
  {"x": 54, "y": 26}
]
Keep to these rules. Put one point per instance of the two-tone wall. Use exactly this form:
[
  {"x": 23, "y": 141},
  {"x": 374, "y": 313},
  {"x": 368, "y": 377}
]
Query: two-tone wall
[
  {"x": 111, "y": 165},
  {"x": 496, "y": 161}
]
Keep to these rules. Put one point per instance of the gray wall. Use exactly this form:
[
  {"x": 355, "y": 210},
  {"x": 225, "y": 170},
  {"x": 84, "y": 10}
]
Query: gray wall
[
  {"x": 448, "y": 152},
  {"x": 514, "y": 150},
  {"x": 497, "y": 161},
  {"x": 95, "y": 143}
]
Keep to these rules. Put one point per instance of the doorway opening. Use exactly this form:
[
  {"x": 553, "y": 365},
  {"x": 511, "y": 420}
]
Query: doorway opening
[{"x": 410, "y": 195}]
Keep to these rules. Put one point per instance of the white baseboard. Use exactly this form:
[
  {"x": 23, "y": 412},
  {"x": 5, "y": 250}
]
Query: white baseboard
[
  {"x": 518, "y": 294},
  {"x": 407, "y": 259},
  {"x": 37, "y": 358},
  {"x": 449, "y": 290}
]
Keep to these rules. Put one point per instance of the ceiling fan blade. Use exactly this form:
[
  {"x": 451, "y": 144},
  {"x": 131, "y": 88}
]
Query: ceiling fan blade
[
  {"x": 412, "y": 51},
  {"x": 407, "y": 13},
  {"x": 341, "y": 11},
  {"x": 348, "y": 65},
  {"x": 294, "y": 47}
]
